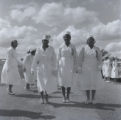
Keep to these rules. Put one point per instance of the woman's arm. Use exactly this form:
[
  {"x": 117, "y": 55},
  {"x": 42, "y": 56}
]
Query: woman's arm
[{"x": 81, "y": 57}]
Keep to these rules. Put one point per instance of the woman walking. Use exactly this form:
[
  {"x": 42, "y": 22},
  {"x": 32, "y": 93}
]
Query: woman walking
[
  {"x": 29, "y": 78},
  {"x": 67, "y": 66},
  {"x": 90, "y": 69},
  {"x": 45, "y": 63},
  {"x": 10, "y": 74}
]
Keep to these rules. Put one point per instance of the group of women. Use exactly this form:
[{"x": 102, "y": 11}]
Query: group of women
[
  {"x": 111, "y": 69},
  {"x": 51, "y": 70}
]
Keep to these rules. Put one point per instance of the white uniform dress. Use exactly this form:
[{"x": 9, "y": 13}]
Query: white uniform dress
[
  {"x": 67, "y": 64},
  {"x": 29, "y": 78},
  {"x": 114, "y": 72},
  {"x": 21, "y": 70},
  {"x": 106, "y": 68},
  {"x": 10, "y": 73},
  {"x": 89, "y": 62},
  {"x": 45, "y": 62}
]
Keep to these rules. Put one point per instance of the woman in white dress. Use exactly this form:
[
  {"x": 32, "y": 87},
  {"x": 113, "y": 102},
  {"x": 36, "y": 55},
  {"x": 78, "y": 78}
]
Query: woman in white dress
[
  {"x": 29, "y": 78},
  {"x": 114, "y": 72},
  {"x": 10, "y": 74},
  {"x": 67, "y": 66},
  {"x": 90, "y": 69},
  {"x": 45, "y": 62},
  {"x": 21, "y": 69},
  {"x": 106, "y": 68}
]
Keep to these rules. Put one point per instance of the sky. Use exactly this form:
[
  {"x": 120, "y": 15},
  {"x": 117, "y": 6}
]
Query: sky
[{"x": 29, "y": 20}]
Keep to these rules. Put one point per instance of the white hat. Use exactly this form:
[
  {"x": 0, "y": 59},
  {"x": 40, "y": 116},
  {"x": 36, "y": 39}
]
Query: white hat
[
  {"x": 68, "y": 32},
  {"x": 46, "y": 37},
  {"x": 32, "y": 48}
]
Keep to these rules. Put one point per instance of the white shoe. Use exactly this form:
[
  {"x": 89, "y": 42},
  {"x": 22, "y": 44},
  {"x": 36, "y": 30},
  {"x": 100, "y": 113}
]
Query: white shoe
[
  {"x": 93, "y": 102},
  {"x": 64, "y": 100},
  {"x": 87, "y": 101},
  {"x": 11, "y": 93},
  {"x": 68, "y": 100}
]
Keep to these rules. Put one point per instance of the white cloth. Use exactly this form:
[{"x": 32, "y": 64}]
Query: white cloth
[
  {"x": 10, "y": 73},
  {"x": 114, "y": 72},
  {"x": 29, "y": 78},
  {"x": 67, "y": 64},
  {"x": 45, "y": 62},
  {"x": 106, "y": 68},
  {"x": 89, "y": 62},
  {"x": 21, "y": 70}
]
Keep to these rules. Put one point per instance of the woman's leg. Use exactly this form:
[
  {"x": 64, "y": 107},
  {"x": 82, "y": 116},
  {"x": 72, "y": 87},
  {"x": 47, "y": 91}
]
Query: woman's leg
[
  {"x": 88, "y": 96},
  {"x": 10, "y": 88},
  {"x": 42, "y": 96},
  {"x": 27, "y": 86},
  {"x": 46, "y": 97},
  {"x": 68, "y": 93},
  {"x": 93, "y": 95},
  {"x": 10, "y": 91},
  {"x": 63, "y": 93}
]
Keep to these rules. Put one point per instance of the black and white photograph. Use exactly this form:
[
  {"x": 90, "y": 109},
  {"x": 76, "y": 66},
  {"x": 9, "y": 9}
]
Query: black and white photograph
[{"x": 60, "y": 59}]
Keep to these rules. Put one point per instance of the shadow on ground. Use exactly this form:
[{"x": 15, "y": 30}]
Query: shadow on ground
[
  {"x": 34, "y": 96},
  {"x": 27, "y": 95},
  {"x": 23, "y": 113},
  {"x": 100, "y": 106}
]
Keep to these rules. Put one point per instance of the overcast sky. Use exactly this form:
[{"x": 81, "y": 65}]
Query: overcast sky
[{"x": 28, "y": 20}]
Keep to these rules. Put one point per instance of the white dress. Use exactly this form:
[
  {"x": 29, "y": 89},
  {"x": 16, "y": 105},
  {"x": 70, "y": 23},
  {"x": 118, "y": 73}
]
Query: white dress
[
  {"x": 67, "y": 64},
  {"x": 45, "y": 62},
  {"x": 106, "y": 68},
  {"x": 114, "y": 72},
  {"x": 10, "y": 73},
  {"x": 29, "y": 78},
  {"x": 89, "y": 62},
  {"x": 21, "y": 70}
]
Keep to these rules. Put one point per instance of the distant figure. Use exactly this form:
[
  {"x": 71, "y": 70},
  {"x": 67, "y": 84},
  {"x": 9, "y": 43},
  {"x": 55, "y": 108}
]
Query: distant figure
[
  {"x": 107, "y": 68},
  {"x": 45, "y": 62},
  {"x": 29, "y": 78},
  {"x": 90, "y": 69},
  {"x": 10, "y": 74},
  {"x": 114, "y": 72},
  {"x": 21, "y": 71},
  {"x": 67, "y": 66}
]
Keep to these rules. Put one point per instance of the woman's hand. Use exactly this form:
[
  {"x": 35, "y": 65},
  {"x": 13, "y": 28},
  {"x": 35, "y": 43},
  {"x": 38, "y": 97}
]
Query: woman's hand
[{"x": 24, "y": 69}]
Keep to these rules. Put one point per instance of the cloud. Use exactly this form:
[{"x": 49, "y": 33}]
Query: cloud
[
  {"x": 26, "y": 36},
  {"x": 9, "y": 32},
  {"x": 22, "y": 13},
  {"x": 101, "y": 32},
  {"x": 110, "y": 31},
  {"x": 50, "y": 14},
  {"x": 56, "y": 18},
  {"x": 4, "y": 23},
  {"x": 56, "y": 14},
  {"x": 113, "y": 47},
  {"x": 61, "y": 17}
]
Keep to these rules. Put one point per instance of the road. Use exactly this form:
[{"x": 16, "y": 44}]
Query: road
[{"x": 26, "y": 105}]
